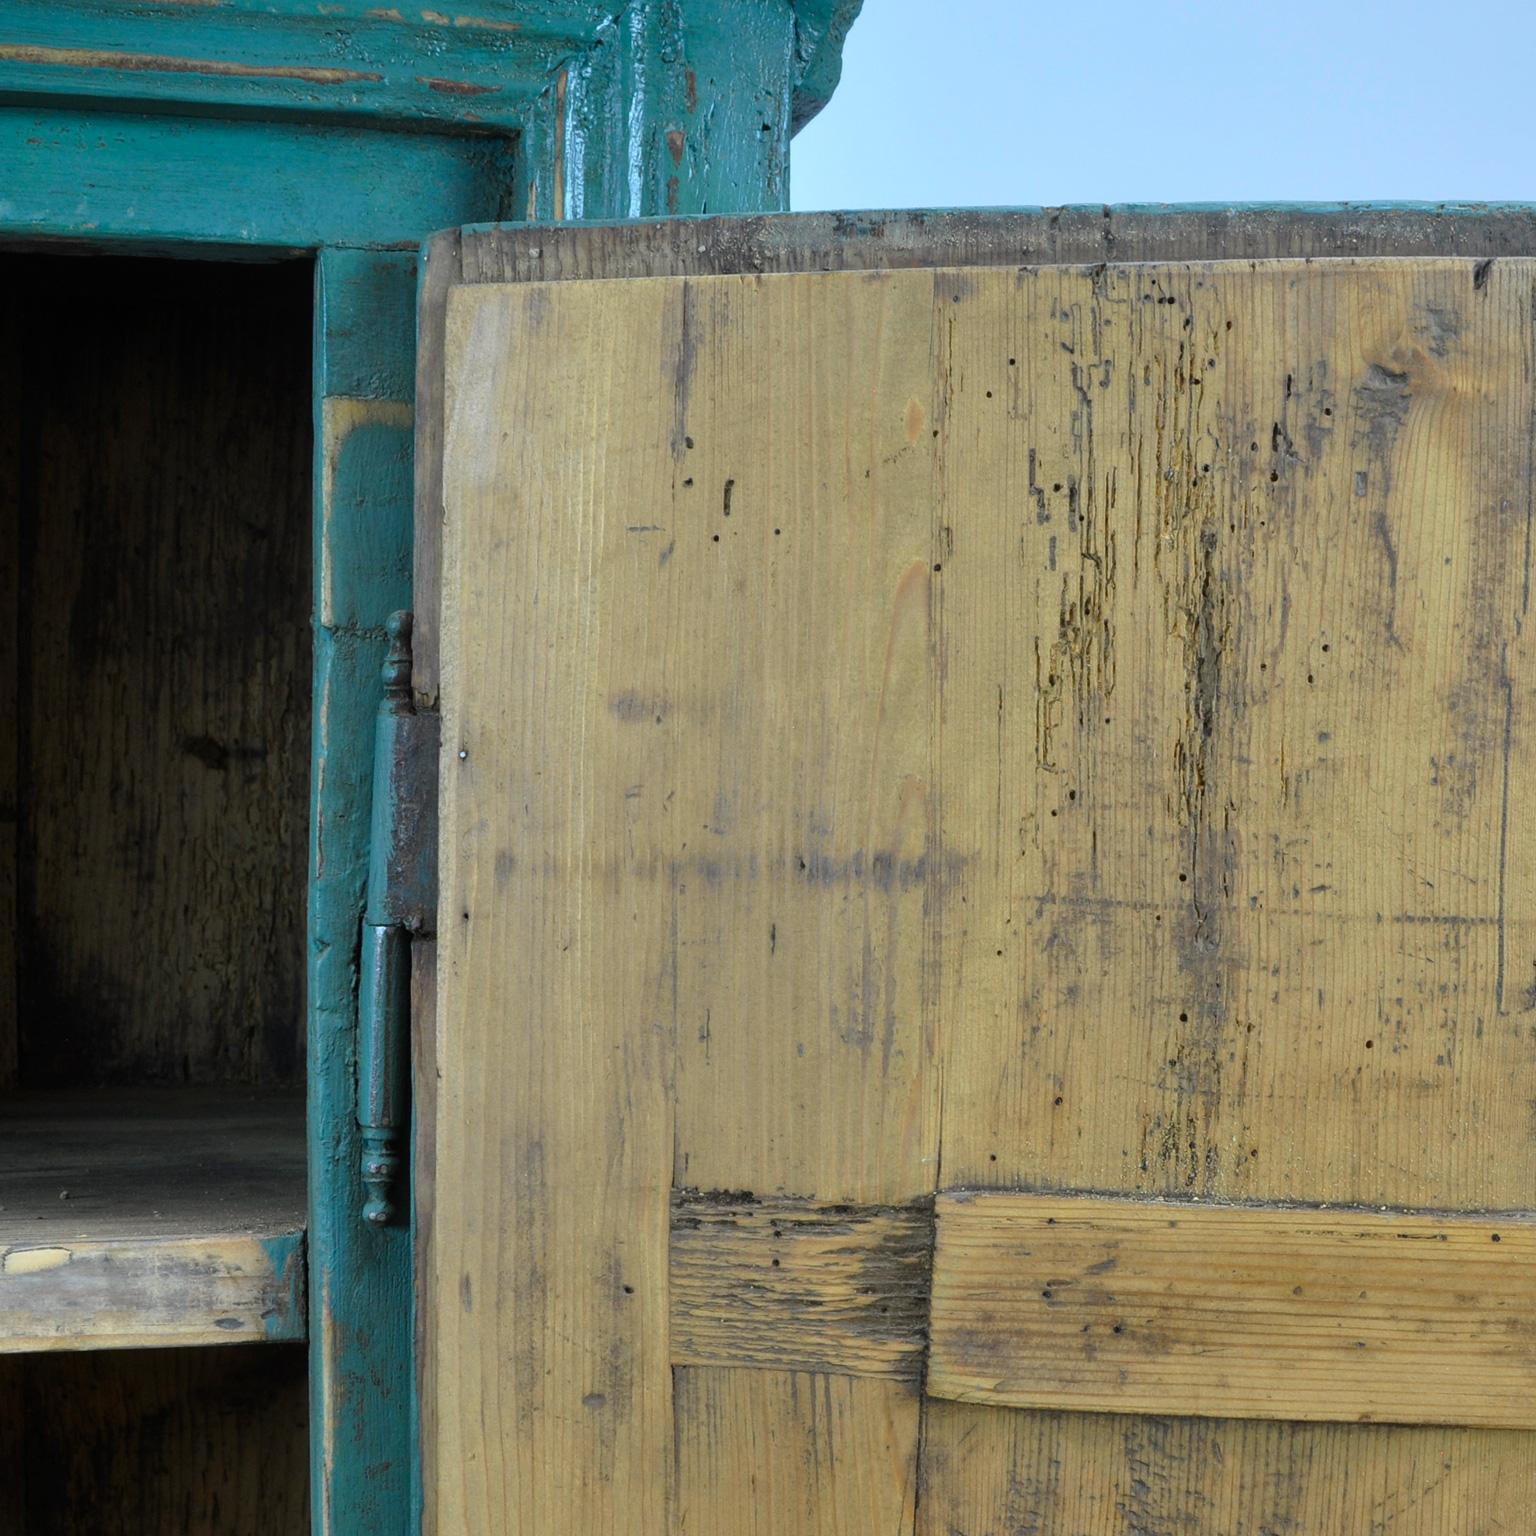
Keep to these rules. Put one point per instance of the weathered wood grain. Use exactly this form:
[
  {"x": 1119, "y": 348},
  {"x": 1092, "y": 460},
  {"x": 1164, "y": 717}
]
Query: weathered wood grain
[
  {"x": 770, "y": 1452},
  {"x": 180, "y": 1442},
  {"x": 157, "y": 1217},
  {"x": 1235, "y": 655},
  {"x": 153, "y": 1293},
  {"x": 800, "y": 1285},
  {"x": 1247, "y": 912},
  {"x": 660, "y": 779},
  {"x": 1162, "y": 625},
  {"x": 1064, "y": 1301},
  {"x": 1087, "y": 235},
  {"x": 990, "y": 1471},
  {"x": 554, "y": 1120},
  {"x": 164, "y": 717}
]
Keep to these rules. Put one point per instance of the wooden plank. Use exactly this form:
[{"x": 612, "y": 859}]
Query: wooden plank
[
  {"x": 732, "y": 858},
  {"x": 796, "y": 821},
  {"x": 800, "y": 1285},
  {"x": 554, "y": 1121},
  {"x": 241, "y": 186},
  {"x": 773, "y": 1452},
  {"x": 127, "y": 1294},
  {"x": 438, "y": 273},
  {"x": 1086, "y": 235},
  {"x": 1235, "y": 722},
  {"x": 998, "y": 1470},
  {"x": 1067, "y": 1301},
  {"x": 1235, "y": 719},
  {"x": 795, "y": 828},
  {"x": 360, "y": 1276},
  {"x": 156, "y": 1217}
]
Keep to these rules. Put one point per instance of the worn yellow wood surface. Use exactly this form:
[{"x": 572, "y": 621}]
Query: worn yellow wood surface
[
  {"x": 1083, "y": 709},
  {"x": 995, "y": 1472},
  {"x": 1235, "y": 728},
  {"x": 1236, "y": 722},
  {"x": 800, "y": 1285},
  {"x": 1061, "y": 1301},
  {"x": 762, "y": 1453},
  {"x": 554, "y": 1120}
]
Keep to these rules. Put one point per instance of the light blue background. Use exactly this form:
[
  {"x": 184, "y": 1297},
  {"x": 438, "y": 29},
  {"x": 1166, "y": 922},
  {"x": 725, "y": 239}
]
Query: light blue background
[{"x": 946, "y": 103}]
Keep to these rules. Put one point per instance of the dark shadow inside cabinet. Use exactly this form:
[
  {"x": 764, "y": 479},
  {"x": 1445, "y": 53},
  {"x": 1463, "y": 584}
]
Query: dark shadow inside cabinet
[{"x": 155, "y": 571}]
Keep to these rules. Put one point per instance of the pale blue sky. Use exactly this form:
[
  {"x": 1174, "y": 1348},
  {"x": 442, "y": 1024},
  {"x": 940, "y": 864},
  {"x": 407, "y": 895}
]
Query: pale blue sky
[{"x": 946, "y": 103}]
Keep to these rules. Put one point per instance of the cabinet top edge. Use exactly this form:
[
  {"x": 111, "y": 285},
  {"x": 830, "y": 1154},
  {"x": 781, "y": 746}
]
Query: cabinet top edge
[{"x": 980, "y": 237}]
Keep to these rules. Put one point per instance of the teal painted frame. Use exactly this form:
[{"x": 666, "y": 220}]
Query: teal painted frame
[{"x": 348, "y": 131}]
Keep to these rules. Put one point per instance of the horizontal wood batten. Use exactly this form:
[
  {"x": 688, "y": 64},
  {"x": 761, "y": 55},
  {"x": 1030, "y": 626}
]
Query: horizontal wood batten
[
  {"x": 788, "y": 1284},
  {"x": 1053, "y": 1301}
]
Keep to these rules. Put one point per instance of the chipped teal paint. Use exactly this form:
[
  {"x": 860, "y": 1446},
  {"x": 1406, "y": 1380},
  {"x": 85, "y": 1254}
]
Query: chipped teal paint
[
  {"x": 345, "y": 60},
  {"x": 477, "y": 66},
  {"x": 820, "y": 28},
  {"x": 362, "y": 1362},
  {"x": 168, "y": 181},
  {"x": 682, "y": 107},
  {"x": 287, "y": 1261}
]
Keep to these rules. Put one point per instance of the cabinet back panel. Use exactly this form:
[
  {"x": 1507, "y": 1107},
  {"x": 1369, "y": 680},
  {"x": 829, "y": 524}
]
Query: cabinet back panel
[
  {"x": 156, "y": 762},
  {"x": 157, "y": 1442}
]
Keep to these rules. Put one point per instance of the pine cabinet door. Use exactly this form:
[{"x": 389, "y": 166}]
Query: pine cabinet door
[{"x": 986, "y": 962}]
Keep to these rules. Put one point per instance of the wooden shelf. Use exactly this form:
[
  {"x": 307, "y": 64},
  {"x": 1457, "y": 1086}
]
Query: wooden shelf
[{"x": 151, "y": 1217}]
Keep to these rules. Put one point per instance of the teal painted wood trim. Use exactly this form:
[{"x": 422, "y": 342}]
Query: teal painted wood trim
[
  {"x": 361, "y": 1314},
  {"x": 114, "y": 178},
  {"x": 821, "y": 26},
  {"x": 478, "y": 63},
  {"x": 475, "y": 63},
  {"x": 679, "y": 107},
  {"x": 287, "y": 1321}
]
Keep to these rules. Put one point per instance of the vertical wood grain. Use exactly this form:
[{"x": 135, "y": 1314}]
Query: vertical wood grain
[
  {"x": 988, "y": 1472},
  {"x": 805, "y": 869},
  {"x": 1235, "y": 720},
  {"x": 164, "y": 707},
  {"x": 555, "y": 1036},
  {"x": 729, "y": 839},
  {"x": 1236, "y": 717},
  {"x": 762, "y": 1453}
]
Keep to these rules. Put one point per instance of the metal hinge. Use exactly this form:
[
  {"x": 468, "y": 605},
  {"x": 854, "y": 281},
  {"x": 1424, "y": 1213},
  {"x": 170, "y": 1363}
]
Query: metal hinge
[{"x": 402, "y": 905}]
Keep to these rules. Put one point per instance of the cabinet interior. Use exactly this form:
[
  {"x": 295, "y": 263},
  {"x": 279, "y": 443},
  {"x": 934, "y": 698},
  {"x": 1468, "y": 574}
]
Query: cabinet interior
[{"x": 155, "y": 688}]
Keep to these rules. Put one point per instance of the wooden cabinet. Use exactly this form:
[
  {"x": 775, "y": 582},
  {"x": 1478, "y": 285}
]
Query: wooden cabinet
[
  {"x": 979, "y": 971},
  {"x": 210, "y": 219}
]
